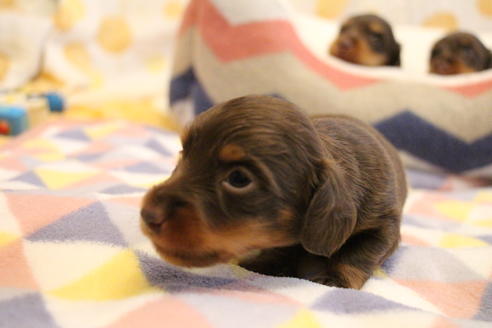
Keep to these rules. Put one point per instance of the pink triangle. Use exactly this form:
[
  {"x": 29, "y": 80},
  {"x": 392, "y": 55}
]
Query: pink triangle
[
  {"x": 12, "y": 163},
  {"x": 133, "y": 201},
  {"x": 412, "y": 240},
  {"x": 98, "y": 178},
  {"x": 168, "y": 312},
  {"x": 457, "y": 299},
  {"x": 15, "y": 271},
  {"x": 36, "y": 211}
]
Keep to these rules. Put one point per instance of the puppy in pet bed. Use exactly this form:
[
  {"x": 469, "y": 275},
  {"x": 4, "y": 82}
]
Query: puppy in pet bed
[
  {"x": 319, "y": 199},
  {"x": 366, "y": 40},
  {"x": 459, "y": 53}
]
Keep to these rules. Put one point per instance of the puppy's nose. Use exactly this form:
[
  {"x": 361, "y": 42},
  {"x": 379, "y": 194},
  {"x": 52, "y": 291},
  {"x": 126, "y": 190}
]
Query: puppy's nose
[
  {"x": 346, "y": 43},
  {"x": 152, "y": 218}
]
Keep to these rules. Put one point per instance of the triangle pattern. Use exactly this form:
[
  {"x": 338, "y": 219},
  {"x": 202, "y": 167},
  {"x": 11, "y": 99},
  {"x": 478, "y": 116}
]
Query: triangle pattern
[
  {"x": 6, "y": 238},
  {"x": 8, "y": 223},
  {"x": 457, "y": 240},
  {"x": 153, "y": 314},
  {"x": 127, "y": 222},
  {"x": 269, "y": 315},
  {"x": 167, "y": 277},
  {"x": 68, "y": 262},
  {"x": 36, "y": 211},
  {"x": 103, "y": 284},
  {"x": 122, "y": 189},
  {"x": 81, "y": 225},
  {"x": 15, "y": 270},
  {"x": 303, "y": 318},
  {"x": 144, "y": 167},
  {"x": 458, "y": 299},
  {"x": 354, "y": 301},
  {"x": 456, "y": 210},
  {"x": 425, "y": 263},
  {"x": 14, "y": 312},
  {"x": 31, "y": 178},
  {"x": 485, "y": 312},
  {"x": 157, "y": 147},
  {"x": 69, "y": 313},
  {"x": 55, "y": 179},
  {"x": 76, "y": 134}
]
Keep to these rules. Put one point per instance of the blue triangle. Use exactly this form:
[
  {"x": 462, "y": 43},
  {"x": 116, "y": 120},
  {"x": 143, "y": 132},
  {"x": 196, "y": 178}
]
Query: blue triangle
[
  {"x": 485, "y": 311},
  {"x": 157, "y": 147},
  {"x": 170, "y": 278},
  {"x": 89, "y": 157},
  {"x": 144, "y": 167},
  {"x": 90, "y": 223},
  {"x": 122, "y": 189},
  {"x": 31, "y": 178},
  {"x": 76, "y": 134},
  {"x": 349, "y": 301},
  {"x": 25, "y": 311}
]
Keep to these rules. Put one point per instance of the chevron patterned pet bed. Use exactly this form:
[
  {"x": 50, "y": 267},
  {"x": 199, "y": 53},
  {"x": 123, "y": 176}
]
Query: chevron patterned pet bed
[
  {"x": 227, "y": 49},
  {"x": 72, "y": 255}
]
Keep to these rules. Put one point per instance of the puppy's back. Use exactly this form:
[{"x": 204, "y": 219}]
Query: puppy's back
[{"x": 370, "y": 161}]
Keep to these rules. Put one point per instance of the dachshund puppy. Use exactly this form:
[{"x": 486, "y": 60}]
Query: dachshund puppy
[
  {"x": 459, "y": 53},
  {"x": 367, "y": 40},
  {"x": 319, "y": 199}
]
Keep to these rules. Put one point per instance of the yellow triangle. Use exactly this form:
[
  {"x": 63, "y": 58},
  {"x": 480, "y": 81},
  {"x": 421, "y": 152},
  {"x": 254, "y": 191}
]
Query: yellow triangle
[
  {"x": 59, "y": 179},
  {"x": 102, "y": 130},
  {"x": 455, "y": 210},
  {"x": 484, "y": 196},
  {"x": 49, "y": 156},
  {"x": 119, "y": 278},
  {"x": 483, "y": 223},
  {"x": 40, "y": 145},
  {"x": 454, "y": 240},
  {"x": 303, "y": 319},
  {"x": 6, "y": 238}
]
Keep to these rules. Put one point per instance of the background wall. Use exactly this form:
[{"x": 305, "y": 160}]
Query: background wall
[{"x": 473, "y": 15}]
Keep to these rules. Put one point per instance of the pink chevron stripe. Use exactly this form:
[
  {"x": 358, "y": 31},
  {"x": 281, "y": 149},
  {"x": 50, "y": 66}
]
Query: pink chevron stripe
[
  {"x": 274, "y": 36},
  {"x": 260, "y": 38},
  {"x": 472, "y": 90}
]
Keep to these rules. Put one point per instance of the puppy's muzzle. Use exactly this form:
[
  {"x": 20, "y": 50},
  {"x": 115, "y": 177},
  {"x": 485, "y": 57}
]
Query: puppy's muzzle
[{"x": 155, "y": 214}]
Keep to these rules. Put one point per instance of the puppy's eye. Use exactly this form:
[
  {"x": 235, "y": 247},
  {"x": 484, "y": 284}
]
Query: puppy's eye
[
  {"x": 238, "y": 179},
  {"x": 376, "y": 40}
]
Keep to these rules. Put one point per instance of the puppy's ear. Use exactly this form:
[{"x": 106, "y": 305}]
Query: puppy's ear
[
  {"x": 331, "y": 216},
  {"x": 395, "y": 59}
]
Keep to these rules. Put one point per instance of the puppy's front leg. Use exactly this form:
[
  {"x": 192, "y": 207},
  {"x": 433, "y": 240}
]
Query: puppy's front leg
[
  {"x": 280, "y": 262},
  {"x": 353, "y": 264}
]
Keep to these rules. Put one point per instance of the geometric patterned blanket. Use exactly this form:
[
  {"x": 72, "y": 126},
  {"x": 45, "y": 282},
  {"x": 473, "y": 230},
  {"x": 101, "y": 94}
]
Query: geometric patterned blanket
[{"x": 72, "y": 254}]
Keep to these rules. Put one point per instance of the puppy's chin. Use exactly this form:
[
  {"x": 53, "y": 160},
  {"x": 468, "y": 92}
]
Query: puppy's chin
[{"x": 192, "y": 259}]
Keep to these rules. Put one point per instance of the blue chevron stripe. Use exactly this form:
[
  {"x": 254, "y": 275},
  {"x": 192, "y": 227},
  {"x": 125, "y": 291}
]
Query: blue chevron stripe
[
  {"x": 187, "y": 86},
  {"x": 409, "y": 132},
  {"x": 405, "y": 130}
]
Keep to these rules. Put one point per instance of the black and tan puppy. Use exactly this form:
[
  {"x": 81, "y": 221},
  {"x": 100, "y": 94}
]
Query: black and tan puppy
[
  {"x": 459, "y": 53},
  {"x": 320, "y": 198},
  {"x": 366, "y": 40}
]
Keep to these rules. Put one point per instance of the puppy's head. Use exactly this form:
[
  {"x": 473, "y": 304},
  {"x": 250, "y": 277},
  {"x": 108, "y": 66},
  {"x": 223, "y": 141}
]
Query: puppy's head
[
  {"x": 248, "y": 170},
  {"x": 366, "y": 40},
  {"x": 459, "y": 53}
]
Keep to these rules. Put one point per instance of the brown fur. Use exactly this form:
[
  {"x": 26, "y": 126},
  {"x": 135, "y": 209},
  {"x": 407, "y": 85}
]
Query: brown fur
[
  {"x": 366, "y": 40},
  {"x": 459, "y": 53},
  {"x": 321, "y": 199}
]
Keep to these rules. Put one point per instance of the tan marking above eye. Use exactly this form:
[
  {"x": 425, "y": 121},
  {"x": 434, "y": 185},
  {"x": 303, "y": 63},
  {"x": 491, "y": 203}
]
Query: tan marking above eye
[
  {"x": 232, "y": 152},
  {"x": 376, "y": 27}
]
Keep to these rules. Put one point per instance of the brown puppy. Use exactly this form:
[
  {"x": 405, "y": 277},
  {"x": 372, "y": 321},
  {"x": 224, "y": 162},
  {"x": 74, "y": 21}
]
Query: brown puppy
[
  {"x": 459, "y": 53},
  {"x": 321, "y": 198},
  {"x": 367, "y": 40}
]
